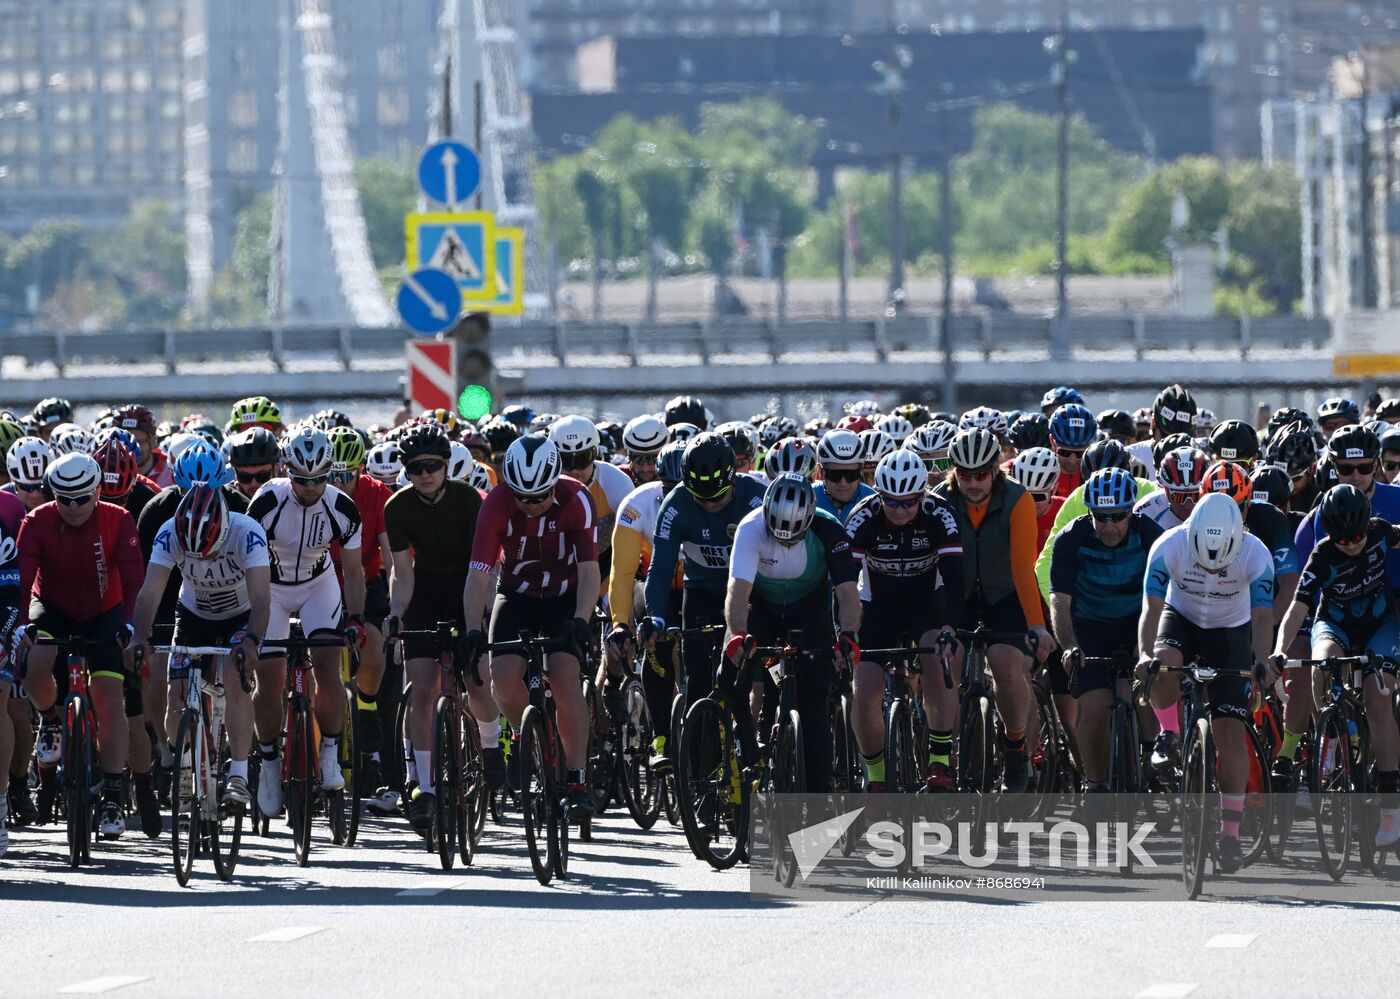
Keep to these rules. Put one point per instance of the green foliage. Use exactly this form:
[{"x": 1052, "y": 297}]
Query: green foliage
[
  {"x": 251, "y": 257},
  {"x": 388, "y": 191}
]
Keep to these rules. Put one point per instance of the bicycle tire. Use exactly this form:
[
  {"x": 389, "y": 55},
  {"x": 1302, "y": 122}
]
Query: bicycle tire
[
  {"x": 1332, "y": 799},
  {"x": 640, "y": 784},
  {"x": 300, "y": 754},
  {"x": 900, "y": 767},
  {"x": 350, "y": 764},
  {"x": 843, "y": 749},
  {"x": 1368, "y": 814},
  {"x": 1198, "y": 786},
  {"x": 400, "y": 744},
  {"x": 185, "y": 820},
  {"x": 78, "y": 780},
  {"x": 471, "y": 796},
  {"x": 534, "y": 792},
  {"x": 670, "y": 796},
  {"x": 1122, "y": 773},
  {"x": 226, "y": 837},
  {"x": 559, "y": 853},
  {"x": 711, "y": 785},
  {"x": 447, "y": 775},
  {"x": 1257, "y": 827},
  {"x": 790, "y": 778},
  {"x": 1045, "y": 773}
]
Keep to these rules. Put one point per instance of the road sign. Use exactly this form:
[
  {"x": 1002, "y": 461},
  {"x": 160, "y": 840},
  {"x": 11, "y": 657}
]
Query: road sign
[
  {"x": 429, "y": 301},
  {"x": 509, "y": 299},
  {"x": 449, "y": 172},
  {"x": 461, "y": 244},
  {"x": 432, "y": 374}
]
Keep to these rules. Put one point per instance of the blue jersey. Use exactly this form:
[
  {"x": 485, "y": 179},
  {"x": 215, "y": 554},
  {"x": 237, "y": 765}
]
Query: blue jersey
[
  {"x": 1385, "y": 504},
  {"x": 1106, "y": 583},
  {"x": 841, "y": 513}
]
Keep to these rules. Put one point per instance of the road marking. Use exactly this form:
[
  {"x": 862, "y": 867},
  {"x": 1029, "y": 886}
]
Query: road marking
[
  {"x": 433, "y": 889},
  {"x": 1168, "y": 990},
  {"x": 1232, "y": 941},
  {"x": 96, "y": 986},
  {"x": 285, "y": 934}
]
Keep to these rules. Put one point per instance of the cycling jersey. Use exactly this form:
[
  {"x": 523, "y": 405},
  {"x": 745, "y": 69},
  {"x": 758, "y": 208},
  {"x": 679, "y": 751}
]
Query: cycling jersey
[
  {"x": 1142, "y": 451},
  {"x": 998, "y": 539},
  {"x": 162, "y": 470},
  {"x": 80, "y": 572},
  {"x": 440, "y": 533},
  {"x": 215, "y": 588},
  {"x": 1272, "y": 526},
  {"x": 1045, "y": 522},
  {"x": 370, "y": 497},
  {"x": 1385, "y": 504},
  {"x": 1206, "y": 599},
  {"x": 1071, "y": 509},
  {"x": 12, "y": 513},
  {"x": 299, "y": 537},
  {"x": 1105, "y": 582},
  {"x": 705, "y": 538},
  {"x": 608, "y": 488},
  {"x": 1351, "y": 590},
  {"x": 893, "y": 561},
  {"x": 786, "y": 574},
  {"x": 539, "y": 556},
  {"x": 631, "y": 546},
  {"x": 842, "y": 512},
  {"x": 1156, "y": 508}
]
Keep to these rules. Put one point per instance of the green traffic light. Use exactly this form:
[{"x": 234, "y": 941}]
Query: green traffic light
[{"x": 474, "y": 402}]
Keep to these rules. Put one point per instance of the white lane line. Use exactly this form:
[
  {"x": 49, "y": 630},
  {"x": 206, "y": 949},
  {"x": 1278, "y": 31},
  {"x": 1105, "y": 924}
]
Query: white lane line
[
  {"x": 1168, "y": 990},
  {"x": 432, "y": 889},
  {"x": 285, "y": 934},
  {"x": 96, "y": 986},
  {"x": 1231, "y": 941}
]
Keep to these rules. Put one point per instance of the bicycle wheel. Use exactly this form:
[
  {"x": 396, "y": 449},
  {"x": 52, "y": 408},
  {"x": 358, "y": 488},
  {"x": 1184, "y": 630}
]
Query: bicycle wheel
[
  {"x": 843, "y": 749},
  {"x": 640, "y": 784},
  {"x": 301, "y": 788},
  {"x": 536, "y": 794},
  {"x": 713, "y": 800},
  {"x": 670, "y": 796},
  {"x": 1332, "y": 782},
  {"x": 1045, "y": 753},
  {"x": 1199, "y": 786},
  {"x": 1257, "y": 826},
  {"x": 901, "y": 769},
  {"x": 1122, "y": 773},
  {"x": 401, "y": 746},
  {"x": 554, "y": 758},
  {"x": 184, "y": 799},
  {"x": 471, "y": 799},
  {"x": 78, "y": 780},
  {"x": 976, "y": 760},
  {"x": 1368, "y": 804},
  {"x": 790, "y": 777},
  {"x": 226, "y": 834},
  {"x": 349, "y": 765},
  {"x": 447, "y": 773}
]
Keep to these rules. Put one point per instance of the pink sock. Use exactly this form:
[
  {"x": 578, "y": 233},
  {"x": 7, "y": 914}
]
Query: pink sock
[
  {"x": 1231, "y": 811},
  {"x": 1168, "y": 718}
]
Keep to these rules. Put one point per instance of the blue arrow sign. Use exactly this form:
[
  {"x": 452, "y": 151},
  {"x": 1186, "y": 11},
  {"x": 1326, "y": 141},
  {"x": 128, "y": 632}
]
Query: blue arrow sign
[
  {"x": 429, "y": 301},
  {"x": 449, "y": 172}
]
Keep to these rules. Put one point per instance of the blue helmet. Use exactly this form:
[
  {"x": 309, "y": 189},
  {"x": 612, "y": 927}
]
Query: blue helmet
[
  {"x": 201, "y": 462},
  {"x": 1073, "y": 426},
  {"x": 1110, "y": 489},
  {"x": 1061, "y": 395}
]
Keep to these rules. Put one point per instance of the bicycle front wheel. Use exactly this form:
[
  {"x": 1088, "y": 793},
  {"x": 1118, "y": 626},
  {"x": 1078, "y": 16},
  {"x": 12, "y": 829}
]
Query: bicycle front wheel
[
  {"x": 536, "y": 794},
  {"x": 349, "y": 750},
  {"x": 301, "y": 787},
  {"x": 184, "y": 799},
  {"x": 640, "y": 785},
  {"x": 1199, "y": 787},
  {"x": 1332, "y": 784},
  {"x": 901, "y": 768},
  {"x": 790, "y": 777},
  {"x": 471, "y": 799},
  {"x": 446, "y": 776},
  {"x": 714, "y": 801},
  {"x": 1259, "y": 802},
  {"x": 79, "y": 779},
  {"x": 226, "y": 831}
]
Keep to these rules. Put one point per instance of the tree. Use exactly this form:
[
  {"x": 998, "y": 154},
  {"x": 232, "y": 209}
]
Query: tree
[
  {"x": 251, "y": 259},
  {"x": 1142, "y": 221},
  {"x": 1266, "y": 232},
  {"x": 49, "y": 254},
  {"x": 787, "y": 138},
  {"x": 388, "y": 191},
  {"x": 149, "y": 270}
]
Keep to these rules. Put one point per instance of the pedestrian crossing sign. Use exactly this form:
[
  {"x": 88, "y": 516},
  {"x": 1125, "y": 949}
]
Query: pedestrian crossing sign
[
  {"x": 509, "y": 297},
  {"x": 461, "y": 244}
]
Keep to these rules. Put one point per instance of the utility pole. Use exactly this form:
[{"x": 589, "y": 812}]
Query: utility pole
[
  {"x": 894, "y": 85},
  {"x": 1368, "y": 238},
  {"x": 1059, "y": 330},
  {"x": 945, "y": 220}
]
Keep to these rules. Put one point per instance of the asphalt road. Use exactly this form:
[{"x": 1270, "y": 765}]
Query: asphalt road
[{"x": 638, "y": 915}]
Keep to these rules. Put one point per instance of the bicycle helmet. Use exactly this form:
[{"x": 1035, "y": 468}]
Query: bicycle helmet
[
  {"x": 200, "y": 462},
  {"x": 52, "y": 410},
  {"x": 307, "y": 452},
  {"x": 901, "y": 473},
  {"x": 382, "y": 462},
  {"x": 10, "y": 431},
  {"x": 201, "y": 521},
  {"x": 118, "y": 470},
  {"x": 347, "y": 449},
  {"x": 444, "y": 418},
  {"x": 792, "y": 454},
  {"x": 1118, "y": 424},
  {"x": 670, "y": 465},
  {"x": 479, "y": 477},
  {"x": 257, "y": 409},
  {"x": 1270, "y": 484},
  {"x": 855, "y": 423},
  {"x": 686, "y": 409},
  {"x": 500, "y": 434},
  {"x": 789, "y": 507},
  {"x": 682, "y": 431},
  {"x": 518, "y": 416},
  {"x": 1389, "y": 409},
  {"x": 864, "y": 407},
  {"x": 1286, "y": 416},
  {"x": 1353, "y": 442},
  {"x": 1204, "y": 419},
  {"x": 27, "y": 459},
  {"x": 1058, "y": 396},
  {"x": 74, "y": 474},
  {"x": 1230, "y": 478},
  {"x": 817, "y": 427},
  {"x": 974, "y": 449},
  {"x": 1110, "y": 488},
  {"x": 646, "y": 433},
  {"x": 1390, "y": 439},
  {"x": 135, "y": 417},
  {"x": 68, "y": 438},
  {"x": 707, "y": 466},
  {"x": 1037, "y": 469},
  {"x": 916, "y": 415},
  {"x": 1182, "y": 470},
  {"x": 1345, "y": 512},
  {"x": 576, "y": 438},
  {"x": 256, "y": 446},
  {"x": 874, "y": 445},
  {"x": 936, "y": 435},
  {"x": 1215, "y": 531},
  {"x": 838, "y": 447},
  {"x": 532, "y": 466},
  {"x": 461, "y": 462},
  {"x": 1031, "y": 430},
  {"x": 775, "y": 428},
  {"x": 742, "y": 437},
  {"x": 1234, "y": 440},
  {"x": 897, "y": 427},
  {"x": 427, "y": 440},
  {"x": 1339, "y": 406},
  {"x": 1168, "y": 444},
  {"x": 984, "y": 418},
  {"x": 1072, "y": 426},
  {"x": 1173, "y": 410},
  {"x": 1107, "y": 453},
  {"x": 122, "y": 437}
]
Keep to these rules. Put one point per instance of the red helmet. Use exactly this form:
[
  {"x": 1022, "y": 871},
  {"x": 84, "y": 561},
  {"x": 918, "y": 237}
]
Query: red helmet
[
  {"x": 201, "y": 521},
  {"x": 855, "y": 424},
  {"x": 135, "y": 418},
  {"x": 1182, "y": 470},
  {"x": 118, "y": 466},
  {"x": 1228, "y": 477}
]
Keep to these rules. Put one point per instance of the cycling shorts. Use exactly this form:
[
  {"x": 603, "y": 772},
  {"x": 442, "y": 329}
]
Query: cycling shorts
[
  {"x": 316, "y": 602},
  {"x": 376, "y": 601},
  {"x": 895, "y": 623},
  {"x": 1357, "y": 637},
  {"x": 1222, "y": 648},
  {"x": 513, "y": 613},
  {"x": 1102, "y": 640},
  {"x": 1004, "y": 615},
  {"x": 195, "y": 631},
  {"x": 437, "y": 596},
  {"x": 105, "y": 658}
]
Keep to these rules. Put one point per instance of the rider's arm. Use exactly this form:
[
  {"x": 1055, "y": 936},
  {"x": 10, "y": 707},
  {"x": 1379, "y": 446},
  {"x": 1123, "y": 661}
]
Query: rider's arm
[
  {"x": 491, "y": 521},
  {"x": 1286, "y": 585},
  {"x": 1147, "y": 624},
  {"x": 480, "y": 583},
  {"x": 353, "y": 569},
  {"x": 400, "y": 582},
  {"x": 1261, "y": 631},
  {"x": 1024, "y": 537},
  {"x": 590, "y": 582},
  {"x": 385, "y": 554},
  {"x": 582, "y": 538},
  {"x": 1305, "y": 538},
  {"x": 736, "y": 606},
  {"x": 130, "y": 566},
  {"x": 1288, "y": 630},
  {"x": 1062, "y": 621},
  {"x": 259, "y": 578},
  {"x": 148, "y": 600},
  {"x": 31, "y": 552},
  {"x": 848, "y": 606},
  {"x": 626, "y": 556},
  {"x": 1154, "y": 597},
  {"x": 665, "y": 550}
]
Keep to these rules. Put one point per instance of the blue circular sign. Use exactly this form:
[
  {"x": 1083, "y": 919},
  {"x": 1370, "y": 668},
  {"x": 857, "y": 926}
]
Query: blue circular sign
[
  {"x": 449, "y": 172},
  {"x": 429, "y": 301}
]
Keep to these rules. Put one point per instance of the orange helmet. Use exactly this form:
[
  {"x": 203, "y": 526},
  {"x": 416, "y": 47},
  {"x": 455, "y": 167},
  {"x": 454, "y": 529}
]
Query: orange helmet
[{"x": 1229, "y": 477}]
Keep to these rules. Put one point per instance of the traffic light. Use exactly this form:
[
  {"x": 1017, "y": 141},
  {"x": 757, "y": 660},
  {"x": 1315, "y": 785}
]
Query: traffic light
[{"x": 476, "y": 375}]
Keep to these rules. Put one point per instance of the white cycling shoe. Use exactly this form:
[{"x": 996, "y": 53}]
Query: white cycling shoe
[
  {"x": 1388, "y": 832},
  {"x": 331, "y": 777},
  {"x": 270, "y": 788}
]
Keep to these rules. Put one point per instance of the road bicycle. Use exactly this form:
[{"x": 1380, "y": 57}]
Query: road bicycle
[{"x": 906, "y": 727}]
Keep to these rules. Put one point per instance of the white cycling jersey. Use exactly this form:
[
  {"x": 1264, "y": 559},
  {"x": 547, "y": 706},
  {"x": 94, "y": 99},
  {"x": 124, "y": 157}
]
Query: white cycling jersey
[
  {"x": 1154, "y": 507},
  {"x": 1142, "y": 451},
  {"x": 215, "y": 588},
  {"x": 299, "y": 537},
  {"x": 640, "y": 507},
  {"x": 1208, "y": 599}
]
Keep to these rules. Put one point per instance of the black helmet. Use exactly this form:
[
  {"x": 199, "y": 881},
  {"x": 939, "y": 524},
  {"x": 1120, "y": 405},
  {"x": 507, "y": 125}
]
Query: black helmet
[
  {"x": 708, "y": 465},
  {"x": 1353, "y": 442},
  {"x": 1345, "y": 512},
  {"x": 686, "y": 409},
  {"x": 1293, "y": 448},
  {"x": 1388, "y": 410},
  {"x": 1271, "y": 485},
  {"x": 669, "y": 464},
  {"x": 254, "y": 446},
  {"x": 1169, "y": 444},
  {"x": 1117, "y": 423},
  {"x": 53, "y": 410},
  {"x": 610, "y": 432},
  {"x": 1285, "y": 416},
  {"x": 1031, "y": 430},
  {"x": 1104, "y": 454},
  {"x": 329, "y": 419},
  {"x": 500, "y": 434},
  {"x": 1234, "y": 440},
  {"x": 1339, "y": 406},
  {"x": 1173, "y": 410},
  {"x": 1390, "y": 440},
  {"x": 424, "y": 439}
]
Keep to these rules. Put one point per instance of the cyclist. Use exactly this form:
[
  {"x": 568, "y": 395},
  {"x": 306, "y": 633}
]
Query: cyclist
[
  {"x": 220, "y": 560},
  {"x": 1390, "y": 455},
  {"x": 1264, "y": 522},
  {"x": 577, "y": 441},
  {"x": 1345, "y": 579},
  {"x": 1180, "y": 474},
  {"x": 152, "y": 462},
  {"x": 536, "y": 540},
  {"x": 874, "y": 445},
  {"x": 1208, "y": 595},
  {"x": 1173, "y": 412},
  {"x": 1060, "y": 395},
  {"x": 254, "y": 455},
  {"x": 1096, "y": 572},
  {"x": 996, "y": 521},
  {"x": 1294, "y": 449},
  {"x": 905, "y": 542},
  {"x": 840, "y": 490},
  {"x": 743, "y": 438},
  {"x": 80, "y": 570},
  {"x": 791, "y": 454},
  {"x": 49, "y": 414},
  {"x": 256, "y": 411},
  {"x": 1118, "y": 425},
  {"x": 1072, "y": 430},
  {"x": 1235, "y": 440},
  {"x": 26, "y": 461},
  {"x": 1335, "y": 413},
  {"x": 788, "y": 556},
  {"x": 302, "y": 516},
  {"x": 1037, "y": 469},
  {"x": 643, "y": 438},
  {"x": 122, "y": 484},
  {"x": 16, "y": 731}
]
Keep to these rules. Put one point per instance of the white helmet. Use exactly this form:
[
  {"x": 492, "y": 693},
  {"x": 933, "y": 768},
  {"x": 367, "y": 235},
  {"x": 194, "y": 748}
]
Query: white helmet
[
  {"x": 791, "y": 454},
  {"x": 789, "y": 506},
  {"x": 479, "y": 477},
  {"x": 69, "y": 438},
  {"x": 864, "y": 407},
  {"x": 1216, "y": 531},
  {"x": 532, "y": 465},
  {"x": 901, "y": 473},
  {"x": 27, "y": 459},
  {"x": 897, "y": 427},
  {"x": 874, "y": 445},
  {"x": 644, "y": 433},
  {"x": 1037, "y": 469},
  {"x": 973, "y": 448},
  {"x": 382, "y": 463},
  {"x": 934, "y": 436},
  {"x": 838, "y": 447},
  {"x": 307, "y": 451},
  {"x": 573, "y": 435},
  {"x": 74, "y": 474},
  {"x": 179, "y": 442},
  {"x": 984, "y": 418},
  {"x": 459, "y": 464}
]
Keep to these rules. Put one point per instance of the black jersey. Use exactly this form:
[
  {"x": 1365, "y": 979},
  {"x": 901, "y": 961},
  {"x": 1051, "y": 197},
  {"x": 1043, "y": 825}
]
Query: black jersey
[
  {"x": 1351, "y": 589},
  {"x": 893, "y": 557}
]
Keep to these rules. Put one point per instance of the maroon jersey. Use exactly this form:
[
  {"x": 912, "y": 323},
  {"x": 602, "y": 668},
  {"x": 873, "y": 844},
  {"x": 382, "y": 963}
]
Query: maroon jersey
[
  {"x": 80, "y": 572},
  {"x": 539, "y": 556}
]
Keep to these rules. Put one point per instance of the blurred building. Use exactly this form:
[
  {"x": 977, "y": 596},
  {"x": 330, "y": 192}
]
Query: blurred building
[{"x": 90, "y": 108}]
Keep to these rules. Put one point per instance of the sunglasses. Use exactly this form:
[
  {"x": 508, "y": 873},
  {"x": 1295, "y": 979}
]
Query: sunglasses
[
  {"x": 249, "y": 477},
  {"x": 1040, "y": 497},
  {"x": 1069, "y": 452},
  {"x": 1355, "y": 539},
  {"x": 1182, "y": 499},
  {"x": 976, "y": 475},
  {"x": 573, "y": 460},
  {"x": 642, "y": 459},
  {"x": 533, "y": 499},
  {"x": 1390, "y": 467},
  {"x": 901, "y": 504},
  {"x": 1109, "y": 518},
  {"x": 425, "y": 467},
  {"x": 841, "y": 474},
  {"x": 310, "y": 480},
  {"x": 344, "y": 478},
  {"x": 27, "y": 487},
  {"x": 937, "y": 464},
  {"x": 75, "y": 500},
  {"x": 1369, "y": 468}
]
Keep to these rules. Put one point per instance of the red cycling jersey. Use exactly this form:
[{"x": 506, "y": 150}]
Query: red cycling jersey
[
  {"x": 370, "y": 497},
  {"x": 162, "y": 470},
  {"x": 539, "y": 556},
  {"x": 80, "y": 572}
]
